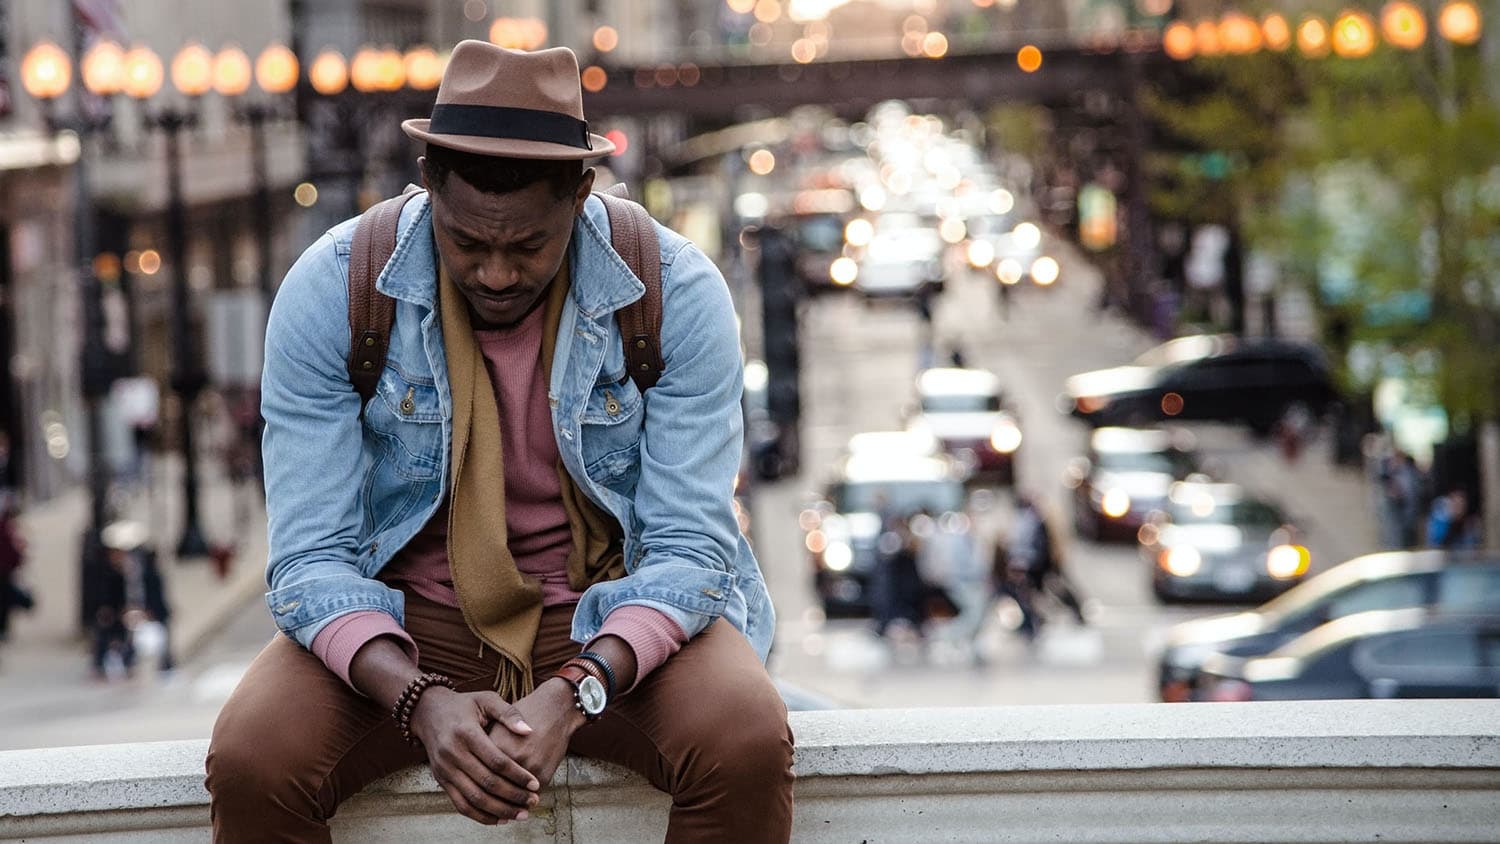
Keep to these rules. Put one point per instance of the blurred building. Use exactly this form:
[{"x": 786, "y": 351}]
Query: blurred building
[{"x": 125, "y": 162}]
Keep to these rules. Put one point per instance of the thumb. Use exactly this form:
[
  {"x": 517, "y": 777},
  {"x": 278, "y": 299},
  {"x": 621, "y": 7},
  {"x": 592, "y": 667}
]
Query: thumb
[{"x": 496, "y": 709}]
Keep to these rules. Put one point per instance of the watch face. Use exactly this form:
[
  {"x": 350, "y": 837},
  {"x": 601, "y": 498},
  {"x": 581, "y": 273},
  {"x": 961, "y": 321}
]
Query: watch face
[{"x": 591, "y": 695}]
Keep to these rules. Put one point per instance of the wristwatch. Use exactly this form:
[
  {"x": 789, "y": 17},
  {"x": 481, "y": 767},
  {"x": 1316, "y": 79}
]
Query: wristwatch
[{"x": 589, "y": 695}]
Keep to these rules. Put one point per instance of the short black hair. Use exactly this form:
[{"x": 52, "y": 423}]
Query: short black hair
[{"x": 493, "y": 174}]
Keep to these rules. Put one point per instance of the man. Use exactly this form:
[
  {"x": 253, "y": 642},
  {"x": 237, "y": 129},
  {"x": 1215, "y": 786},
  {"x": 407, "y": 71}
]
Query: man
[{"x": 509, "y": 552}]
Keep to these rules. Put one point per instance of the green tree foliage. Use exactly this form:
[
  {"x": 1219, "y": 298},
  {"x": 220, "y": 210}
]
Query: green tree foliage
[{"x": 1381, "y": 173}]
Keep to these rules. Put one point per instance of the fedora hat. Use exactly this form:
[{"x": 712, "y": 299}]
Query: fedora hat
[{"x": 512, "y": 104}]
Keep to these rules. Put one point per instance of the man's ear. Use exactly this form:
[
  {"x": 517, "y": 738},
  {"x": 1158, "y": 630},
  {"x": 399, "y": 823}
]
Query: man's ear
[
  {"x": 422, "y": 168},
  {"x": 585, "y": 187}
]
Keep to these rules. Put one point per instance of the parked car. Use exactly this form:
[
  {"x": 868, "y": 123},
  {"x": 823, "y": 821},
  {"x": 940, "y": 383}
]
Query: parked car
[
  {"x": 1408, "y": 653},
  {"x": 1214, "y": 541},
  {"x": 1207, "y": 377},
  {"x": 965, "y": 410},
  {"x": 1124, "y": 477},
  {"x": 1450, "y": 581},
  {"x": 843, "y": 527}
]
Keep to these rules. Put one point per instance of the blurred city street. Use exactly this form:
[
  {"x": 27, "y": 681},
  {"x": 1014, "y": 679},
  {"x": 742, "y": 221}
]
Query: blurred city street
[
  {"x": 1153, "y": 310},
  {"x": 860, "y": 362}
]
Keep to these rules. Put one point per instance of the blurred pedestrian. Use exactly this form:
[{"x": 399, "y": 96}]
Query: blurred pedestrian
[
  {"x": 113, "y": 653},
  {"x": 966, "y": 566},
  {"x": 1450, "y": 524},
  {"x": 1408, "y": 489},
  {"x": 899, "y": 591},
  {"x": 1033, "y": 567},
  {"x": 13, "y": 595}
]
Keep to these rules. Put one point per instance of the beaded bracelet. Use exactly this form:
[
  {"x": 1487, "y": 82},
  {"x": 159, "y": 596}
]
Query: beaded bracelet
[{"x": 406, "y": 704}]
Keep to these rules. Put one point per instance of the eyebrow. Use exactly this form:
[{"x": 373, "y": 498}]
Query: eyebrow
[{"x": 465, "y": 234}]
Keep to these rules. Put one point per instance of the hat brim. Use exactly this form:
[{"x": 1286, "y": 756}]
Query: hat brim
[{"x": 507, "y": 147}]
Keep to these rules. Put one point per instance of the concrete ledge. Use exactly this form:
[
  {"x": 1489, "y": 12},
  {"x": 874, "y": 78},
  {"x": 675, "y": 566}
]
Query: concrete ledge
[{"x": 1312, "y": 771}]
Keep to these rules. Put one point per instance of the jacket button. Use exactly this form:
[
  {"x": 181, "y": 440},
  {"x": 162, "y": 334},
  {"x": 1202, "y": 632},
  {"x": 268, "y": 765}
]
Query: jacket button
[
  {"x": 640, "y": 344},
  {"x": 369, "y": 341}
]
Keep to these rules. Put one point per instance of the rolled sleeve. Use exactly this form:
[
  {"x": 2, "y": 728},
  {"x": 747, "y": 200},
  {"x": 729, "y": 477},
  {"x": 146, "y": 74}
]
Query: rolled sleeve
[
  {"x": 652, "y": 635},
  {"x": 339, "y": 640}
]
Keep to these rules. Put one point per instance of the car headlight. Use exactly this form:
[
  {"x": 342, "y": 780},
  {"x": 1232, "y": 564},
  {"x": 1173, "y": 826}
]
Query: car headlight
[
  {"x": 1287, "y": 561},
  {"x": 1116, "y": 503},
  {"x": 843, "y": 271},
  {"x": 1006, "y": 437},
  {"x": 838, "y": 556},
  {"x": 1181, "y": 560}
]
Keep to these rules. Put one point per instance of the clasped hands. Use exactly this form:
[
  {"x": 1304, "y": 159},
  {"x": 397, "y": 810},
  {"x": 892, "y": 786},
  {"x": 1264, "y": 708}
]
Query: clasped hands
[{"x": 492, "y": 757}]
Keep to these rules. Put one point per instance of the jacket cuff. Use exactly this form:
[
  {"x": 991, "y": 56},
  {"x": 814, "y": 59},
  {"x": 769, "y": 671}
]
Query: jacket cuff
[
  {"x": 339, "y": 640},
  {"x": 651, "y": 634}
]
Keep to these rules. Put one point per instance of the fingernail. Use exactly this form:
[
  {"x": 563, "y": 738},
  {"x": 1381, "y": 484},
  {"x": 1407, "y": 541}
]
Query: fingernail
[
  {"x": 523, "y": 726},
  {"x": 522, "y": 816},
  {"x": 533, "y": 785},
  {"x": 533, "y": 800}
]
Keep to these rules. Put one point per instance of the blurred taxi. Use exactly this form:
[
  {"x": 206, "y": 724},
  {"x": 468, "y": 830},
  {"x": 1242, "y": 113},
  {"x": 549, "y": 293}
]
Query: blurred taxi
[
  {"x": 964, "y": 410},
  {"x": 843, "y": 528},
  {"x": 1408, "y": 653},
  {"x": 1124, "y": 477},
  {"x": 1214, "y": 541},
  {"x": 1453, "y": 582}
]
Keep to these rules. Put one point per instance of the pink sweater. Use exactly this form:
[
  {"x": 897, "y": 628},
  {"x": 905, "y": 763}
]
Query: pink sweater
[{"x": 536, "y": 522}]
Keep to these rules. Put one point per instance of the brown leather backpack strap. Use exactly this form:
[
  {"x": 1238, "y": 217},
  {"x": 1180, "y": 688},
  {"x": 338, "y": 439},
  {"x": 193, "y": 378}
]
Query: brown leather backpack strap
[
  {"x": 371, "y": 312},
  {"x": 633, "y": 236}
]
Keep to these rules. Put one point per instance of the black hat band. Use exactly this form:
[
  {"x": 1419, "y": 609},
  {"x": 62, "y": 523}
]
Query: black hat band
[{"x": 519, "y": 124}]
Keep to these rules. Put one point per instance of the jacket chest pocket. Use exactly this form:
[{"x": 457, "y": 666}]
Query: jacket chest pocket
[
  {"x": 407, "y": 423},
  {"x": 612, "y": 421}
]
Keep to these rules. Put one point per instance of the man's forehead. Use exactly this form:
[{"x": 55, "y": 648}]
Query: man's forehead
[{"x": 473, "y": 212}]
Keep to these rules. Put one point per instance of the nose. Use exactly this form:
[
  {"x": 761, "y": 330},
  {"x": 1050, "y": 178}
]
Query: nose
[{"x": 496, "y": 274}]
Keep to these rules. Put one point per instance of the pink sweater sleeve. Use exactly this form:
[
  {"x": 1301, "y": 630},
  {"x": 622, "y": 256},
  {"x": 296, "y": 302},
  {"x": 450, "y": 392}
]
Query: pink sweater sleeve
[
  {"x": 649, "y": 633},
  {"x": 338, "y": 642}
]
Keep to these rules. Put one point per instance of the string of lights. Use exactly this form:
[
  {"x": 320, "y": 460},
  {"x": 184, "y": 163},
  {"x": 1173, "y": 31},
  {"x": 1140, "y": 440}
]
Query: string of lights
[{"x": 1351, "y": 34}]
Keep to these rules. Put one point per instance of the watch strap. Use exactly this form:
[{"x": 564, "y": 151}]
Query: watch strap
[{"x": 575, "y": 674}]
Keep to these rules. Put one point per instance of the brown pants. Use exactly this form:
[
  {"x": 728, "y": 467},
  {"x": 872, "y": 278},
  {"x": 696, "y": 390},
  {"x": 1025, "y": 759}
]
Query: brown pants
[{"x": 707, "y": 727}]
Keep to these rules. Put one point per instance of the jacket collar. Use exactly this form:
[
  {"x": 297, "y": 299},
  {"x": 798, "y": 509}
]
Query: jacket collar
[{"x": 602, "y": 283}]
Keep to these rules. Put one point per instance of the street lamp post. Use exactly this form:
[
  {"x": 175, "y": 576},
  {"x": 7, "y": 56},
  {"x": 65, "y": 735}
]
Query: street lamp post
[
  {"x": 191, "y": 75},
  {"x": 46, "y": 75}
]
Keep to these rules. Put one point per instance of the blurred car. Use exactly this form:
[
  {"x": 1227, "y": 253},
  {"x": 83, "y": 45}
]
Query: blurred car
[
  {"x": 1207, "y": 377},
  {"x": 843, "y": 528},
  {"x": 1213, "y": 541},
  {"x": 1407, "y": 653},
  {"x": 820, "y": 241},
  {"x": 902, "y": 259},
  {"x": 1124, "y": 477},
  {"x": 965, "y": 411},
  {"x": 1456, "y": 582}
]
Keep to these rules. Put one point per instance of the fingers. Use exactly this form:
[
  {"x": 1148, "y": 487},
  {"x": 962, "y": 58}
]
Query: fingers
[
  {"x": 496, "y": 709},
  {"x": 498, "y": 763},
  {"x": 473, "y": 803},
  {"x": 499, "y": 796}
]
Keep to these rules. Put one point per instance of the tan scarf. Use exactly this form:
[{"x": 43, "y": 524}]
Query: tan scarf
[{"x": 500, "y": 605}]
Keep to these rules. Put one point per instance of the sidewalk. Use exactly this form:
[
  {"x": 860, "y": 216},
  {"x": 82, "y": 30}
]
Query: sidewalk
[{"x": 46, "y": 649}]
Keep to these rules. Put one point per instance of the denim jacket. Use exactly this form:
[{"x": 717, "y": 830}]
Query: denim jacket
[{"x": 344, "y": 493}]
